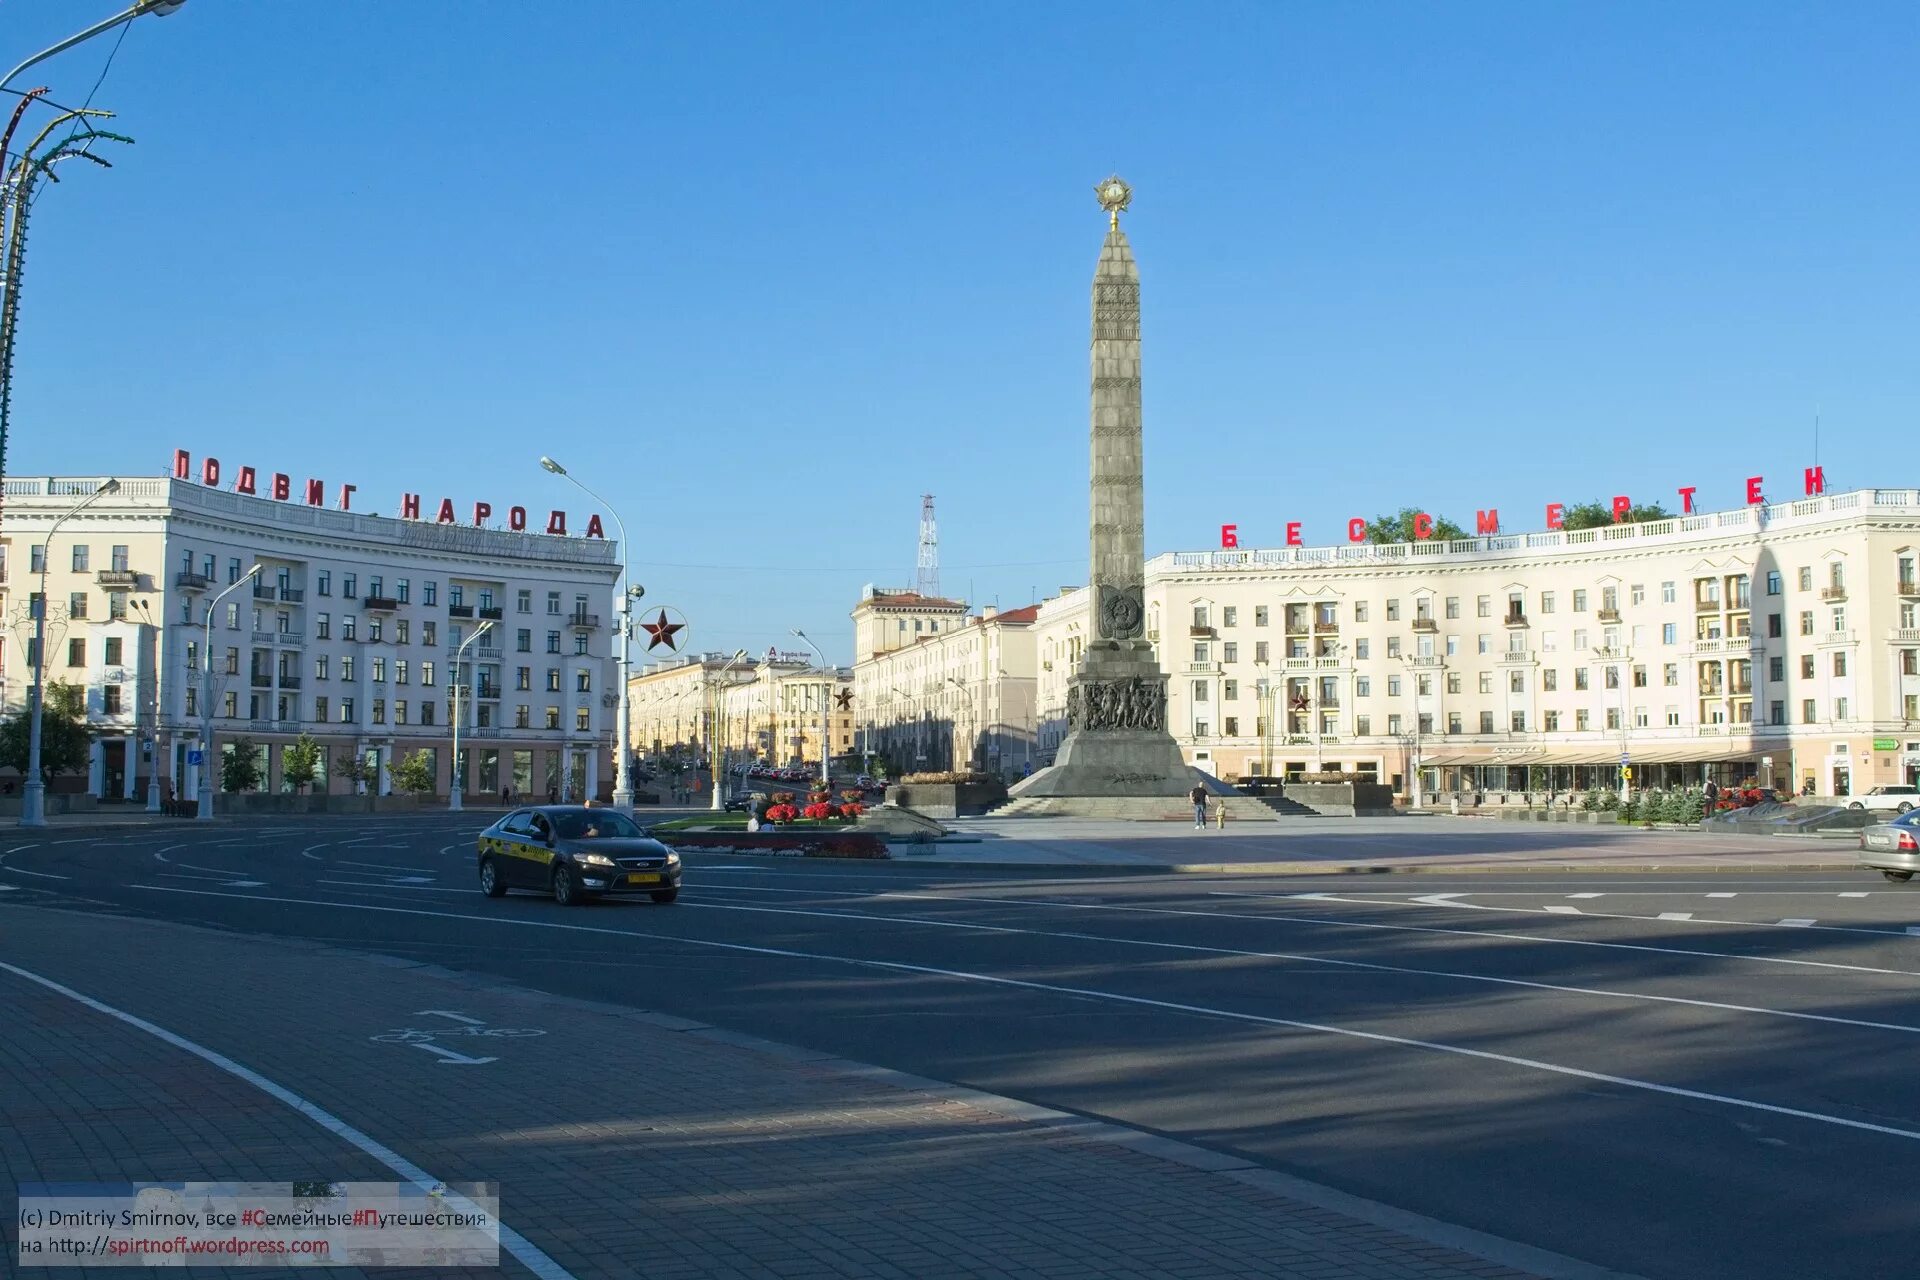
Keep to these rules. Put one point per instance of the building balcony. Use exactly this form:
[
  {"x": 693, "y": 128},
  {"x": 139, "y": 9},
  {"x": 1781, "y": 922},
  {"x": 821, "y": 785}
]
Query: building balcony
[
  {"x": 192, "y": 581},
  {"x": 1904, "y": 635},
  {"x": 261, "y": 679},
  {"x": 1835, "y": 637},
  {"x": 493, "y": 614},
  {"x": 1908, "y": 587},
  {"x": 1326, "y": 628},
  {"x": 289, "y": 682},
  {"x": 125, "y": 578},
  {"x": 380, "y": 604},
  {"x": 1204, "y": 633},
  {"x": 1516, "y": 655},
  {"x": 1201, "y": 669},
  {"x": 459, "y": 611},
  {"x": 1706, "y": 606},
  {"x": 279, "y": 637},
  {"x": 1517, "y": 620},
  {"x": 1833, "y": 593},
  {"x": 1427, "y": 662},
  {"x": 1427, "y": 626},
  {"x": 584, "y": 621},
  {"x": 1609, "y": 615}
]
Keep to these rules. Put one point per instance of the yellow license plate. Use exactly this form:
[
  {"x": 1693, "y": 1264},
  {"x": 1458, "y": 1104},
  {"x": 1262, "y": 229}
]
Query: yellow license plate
[{"x": 642, "y": 877}]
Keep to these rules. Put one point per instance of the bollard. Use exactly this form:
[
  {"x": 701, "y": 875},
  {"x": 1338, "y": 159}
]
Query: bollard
[
  {"x": 1456, "y": 806},
  {"x": 1222, "y": 820}
]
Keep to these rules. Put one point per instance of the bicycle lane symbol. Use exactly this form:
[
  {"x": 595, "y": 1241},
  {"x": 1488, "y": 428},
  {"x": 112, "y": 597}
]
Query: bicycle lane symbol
[{"x": 469, "y": 1028}]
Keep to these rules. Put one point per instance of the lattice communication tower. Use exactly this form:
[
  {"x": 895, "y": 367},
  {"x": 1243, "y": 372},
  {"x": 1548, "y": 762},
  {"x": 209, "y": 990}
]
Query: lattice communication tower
[{"x": 926, "y": 578}]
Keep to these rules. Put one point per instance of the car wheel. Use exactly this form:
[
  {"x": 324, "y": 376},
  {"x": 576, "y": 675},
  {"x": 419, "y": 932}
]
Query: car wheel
[
  {"x": 566, "y": 887},
  {"x": 1898, "y": 877},
  {"x": 1903, "y": 807},
  {"x": 490, "y": 882},
  {"x": 664, "y": 895},
  {"x": 1856, "y": 805}
]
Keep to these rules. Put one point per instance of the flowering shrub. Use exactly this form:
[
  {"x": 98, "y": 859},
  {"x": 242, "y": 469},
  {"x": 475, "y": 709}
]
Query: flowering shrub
[
  {"x": 851, "y": 809},
  {"x": 783, "y": 797},
  {"x": 852, "y": 795},
  {"x": 781, "y": 813},
  {"x": 817, "y": 811},
  {"x": 817, "y": 797}
]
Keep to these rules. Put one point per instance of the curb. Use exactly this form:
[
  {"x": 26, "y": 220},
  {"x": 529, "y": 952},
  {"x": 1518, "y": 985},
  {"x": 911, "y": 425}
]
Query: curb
[
  {"x": 1543, "y": 1263},
  {"x": 1341, "y": 869}
]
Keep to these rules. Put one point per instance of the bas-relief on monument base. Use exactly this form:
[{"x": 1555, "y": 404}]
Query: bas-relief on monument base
[{"x": 1117, "y": 742}]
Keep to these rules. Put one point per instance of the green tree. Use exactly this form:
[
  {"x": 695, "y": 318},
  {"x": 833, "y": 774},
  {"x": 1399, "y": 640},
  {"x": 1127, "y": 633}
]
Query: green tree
[
  {"x": 1591, "y": 515},
  {"x": 300, "y": 762},
  {"x": 64, "y": 739},
  {"x": 416, "y": 773},
  {"x": 1399, "y": 528},
  {"x": 356, "y": 768},
  {"x": 240, "y": 767}
]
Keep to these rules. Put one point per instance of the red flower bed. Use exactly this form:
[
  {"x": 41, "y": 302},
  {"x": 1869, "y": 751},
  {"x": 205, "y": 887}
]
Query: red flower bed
[
  {"x": 851, "y": 810},
  {"x": 781, "y": 813},
  {"x": 817, "y": 811}
]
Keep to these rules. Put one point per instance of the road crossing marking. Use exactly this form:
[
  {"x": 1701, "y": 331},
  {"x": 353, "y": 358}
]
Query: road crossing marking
[
  {"x": 1676, "y": 915},
  {"x": 1853, "y": 895},
  {"x": 1797, "y": 924},
  {"x": 1586, "y": 895},
  {"x": 1720, "y": 895},
  {"x": 1556, "y": 910}
]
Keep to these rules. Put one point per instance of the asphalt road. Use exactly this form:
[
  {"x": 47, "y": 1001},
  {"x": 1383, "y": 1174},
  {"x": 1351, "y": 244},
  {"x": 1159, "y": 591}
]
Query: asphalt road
[{"x": 1679, "y": 1076}]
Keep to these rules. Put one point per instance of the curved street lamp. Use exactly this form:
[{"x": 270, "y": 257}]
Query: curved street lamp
[
  {"x": 713, "y": 729},
  {"x": 826, "y": 701},
  {"x": 622, "y": 773},
  {"x": 33, "y": 793},
  {"x": 158, "y": 8},
  {"x": 457, "y": 779},
  {"x": 204, "y": 813}
]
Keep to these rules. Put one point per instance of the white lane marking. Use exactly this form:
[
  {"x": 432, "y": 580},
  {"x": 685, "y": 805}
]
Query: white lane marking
[
  {"x": 1089, "y": 993},
  {"x": 1440, "y": 899},
  {"x": 1557, "y": 909},
  {"x": 1057, "y": 903},
  {"x": 1586, "y": 895},
  {"x": 413, "y": 879},
  {"x": 530, "y": 1254},
  {"x": 377, "y": 884},
  {"x": 160, "y": 854},
  {"x": 22, "y": 848},
  {"x": 1913, "y": 930},
  {"x": 1591, "y": 915},
  {"x": 1676, "y": 915},
  {"x": 308, "y": 852},
  {"x": 1720, "y": 895},
  {"x": 223, "y": 871},
  {"x": 445, "y": 1013},
  {"x": 1370, "y": 965},
  {"x": 246, "y": 884},
  {"x": 228, "y": 878},
  {"x": 44, "y": 875},
  {"x": 9, "y": 888},
  {"x": 1853, "y": 895}
]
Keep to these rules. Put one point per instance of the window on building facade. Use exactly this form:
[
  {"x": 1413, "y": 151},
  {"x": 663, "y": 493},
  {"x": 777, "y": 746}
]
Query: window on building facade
[
  {"x": 1229, "y": 652},
  {"x": 322, "y": 626},
  {"x": 1581, "y": 678},
  {"x": 77, "y": 652},
  {"x": 553, "y": 679},
  {"x": 1485, "y": 643},
  {"x": 429, "y": 595},
  {"x": 1393, "y": 686},
  {"x": 1839, "y": 663},
  {"x": 349, "y": 626},
  {"x": 1393, "y": 611},
  {"x": 553, "y": 607},
  {"x": 580, "y": 644},
  {"x": 1362, "y": 649},
  {"x": 379, "y": 670},
  {"x": 374, "y": 629},
  {"x": 1840, "y": 709},
  {"x": 1580, "y": 720},
  {"x": 230, "y": 705},
  {"x": 1516, "y": 682},
  {"x": 426, "y": 678},
  {"x": 1259, "y": 615},
  {"x": 553, "y": 717},
  {"x": 1807, "y": 715},
  {"x": 523, "y": 601},
  {"x": 1233, "y": 726},
  {"x": 553, "y": 642},
  {"x": 349, "y": 585},
  {"x": 346, "y": 712},
  {"x": 1229, "y": 616},
  {"x": 1363, "y": 686},
  {"x": 1483, "y": 607},
  {"x": 110, "y": 699},
  {"x": 1393, "y": 724},
  {"x": 1806, "y": 578},
  {"x": 1806, "y": 666},
  {"x": 1453, "y": 606},
  {"x": 233, "y": 661},
  {"x": 1486, "y": 722},
  {"x": 1363, "y": 725},
  {"x": 1550, "y": 679},
  {"x": 1486, "y": 682},
  {"x": 320, "y": 708},
  {"x": 379, "y": 711},
  {"x": 456, "y": 595},
  {"x": 1259, "y": 650},
  {"x": 1639, "y": 677},
  {"x": 1519, "y": 721},
  {"x": 1423, "y": 685},
  {"x": 1393, "y": 646}
]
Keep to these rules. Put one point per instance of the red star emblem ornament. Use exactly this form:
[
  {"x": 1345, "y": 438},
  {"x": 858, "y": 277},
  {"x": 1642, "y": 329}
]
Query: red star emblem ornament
[
  {"x": 661, "y": 632},
  {"x": 845, "y": 697}
]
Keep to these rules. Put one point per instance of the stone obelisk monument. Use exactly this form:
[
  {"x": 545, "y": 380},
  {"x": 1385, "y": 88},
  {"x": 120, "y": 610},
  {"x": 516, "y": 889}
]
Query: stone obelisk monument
[{"x": 1117, "y": 744}]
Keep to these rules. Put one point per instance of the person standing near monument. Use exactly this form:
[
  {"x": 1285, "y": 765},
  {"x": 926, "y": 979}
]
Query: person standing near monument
[{"x": 1199, "y": 798}]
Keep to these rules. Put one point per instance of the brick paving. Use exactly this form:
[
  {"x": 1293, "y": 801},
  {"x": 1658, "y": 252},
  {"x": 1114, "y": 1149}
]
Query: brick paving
[{"x": 626, "y": 1145}]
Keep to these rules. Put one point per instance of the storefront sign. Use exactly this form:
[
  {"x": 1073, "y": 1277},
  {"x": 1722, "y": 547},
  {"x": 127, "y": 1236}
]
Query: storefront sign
[
  {"x": 313, "y": 493},
  {"x": 1886, "y": 744}
]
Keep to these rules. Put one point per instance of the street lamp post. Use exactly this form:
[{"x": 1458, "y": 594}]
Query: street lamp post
[
  {"x": 153, "y": 747},
  {"x": 204, "y": 813},
  {"x": 713, "y": 724},
  {"x": 33, "y": 793},
  {"x": 158, "y": 8},
  {"x": 456, "y": 785},
  {"x": 1622, "y": 662},
  {"x": 622, "y": 769},
  {"x": 826, "y": 701},
  {"x": 1413, "y": 688}
]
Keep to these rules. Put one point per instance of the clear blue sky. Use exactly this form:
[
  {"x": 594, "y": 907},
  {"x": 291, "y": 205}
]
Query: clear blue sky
[{"x": 769, "y": 272}]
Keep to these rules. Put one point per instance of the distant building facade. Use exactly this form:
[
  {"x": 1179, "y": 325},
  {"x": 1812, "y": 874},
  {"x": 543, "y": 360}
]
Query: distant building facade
[{"x": 1778, "y": 642}]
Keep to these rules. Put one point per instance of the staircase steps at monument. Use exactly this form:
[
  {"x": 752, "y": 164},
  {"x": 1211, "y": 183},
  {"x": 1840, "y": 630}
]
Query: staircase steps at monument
[
  {"x": 1289, "y": 808},
  {"x": 1138, "y": 808}
]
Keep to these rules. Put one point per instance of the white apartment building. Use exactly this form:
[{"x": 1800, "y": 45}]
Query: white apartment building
[
  {"x": 350, "y": 632},
  {"x": 767, "y": 710},
  {"x": 1778, "y": 642},
  {"x": 954, "y": 691}
]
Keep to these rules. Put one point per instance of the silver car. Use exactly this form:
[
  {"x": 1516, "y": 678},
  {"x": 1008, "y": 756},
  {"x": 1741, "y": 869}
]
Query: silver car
[{"x": 1892, "y": 848}]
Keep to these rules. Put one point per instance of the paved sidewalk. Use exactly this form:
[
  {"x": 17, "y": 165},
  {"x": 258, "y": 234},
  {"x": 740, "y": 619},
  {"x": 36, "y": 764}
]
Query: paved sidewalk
[{"x": 630, "y": 1144}]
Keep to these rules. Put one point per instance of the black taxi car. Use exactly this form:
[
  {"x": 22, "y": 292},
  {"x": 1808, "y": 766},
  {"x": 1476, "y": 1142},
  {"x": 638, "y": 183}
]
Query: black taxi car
[{"x": 575, "y": 852}]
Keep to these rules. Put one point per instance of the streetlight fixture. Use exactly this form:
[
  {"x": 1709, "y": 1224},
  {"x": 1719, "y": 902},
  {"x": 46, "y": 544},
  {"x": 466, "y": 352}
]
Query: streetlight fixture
[
  {"x": 1413, "y": 688},
  {"x": 456, "y": 785},
  {"x": 622, "y": 771},
  {"x": 33, "y": 793},
  {"x": 153, "y": 742},
  {"x": 1621, "y": 660},
  {"x": 158, "y": 8},
  {"x": 204, "y": 813},
  {"x": 713, "y": 729},
  {"x": 826, "y": 703}
]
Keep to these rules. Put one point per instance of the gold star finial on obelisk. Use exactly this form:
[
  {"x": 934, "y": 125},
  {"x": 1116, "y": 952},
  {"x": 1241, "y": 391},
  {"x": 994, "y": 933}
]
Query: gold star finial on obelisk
[{"x": 1115, "y": 196}]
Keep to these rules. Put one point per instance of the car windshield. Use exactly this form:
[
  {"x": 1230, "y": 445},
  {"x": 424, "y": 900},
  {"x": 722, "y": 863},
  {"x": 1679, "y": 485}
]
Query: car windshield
[
  {"x": 596, "y": 825},
  {"x": 1911, "y": 818}
]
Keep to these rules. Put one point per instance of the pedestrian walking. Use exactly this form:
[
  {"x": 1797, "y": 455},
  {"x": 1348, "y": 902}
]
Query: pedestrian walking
[
  {"x": 1711, "y": 791},
  {"x": 1199, "y": 798}
]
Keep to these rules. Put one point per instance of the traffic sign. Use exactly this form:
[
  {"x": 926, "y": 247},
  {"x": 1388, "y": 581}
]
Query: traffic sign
[{"x": 196, "y": 757}]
